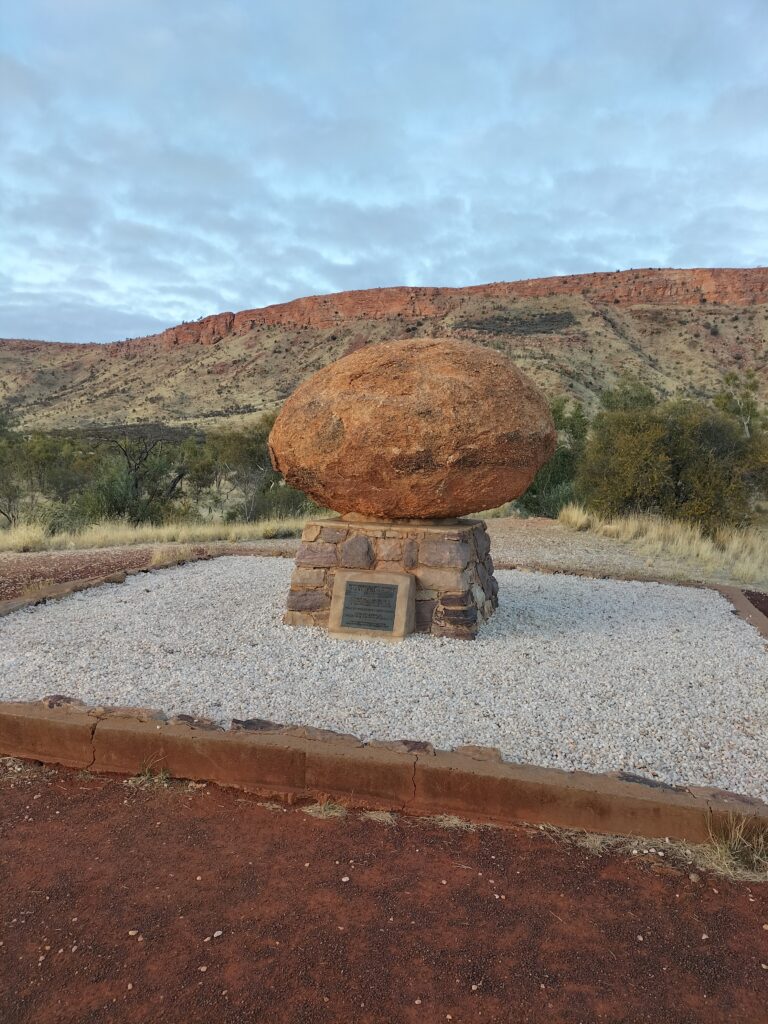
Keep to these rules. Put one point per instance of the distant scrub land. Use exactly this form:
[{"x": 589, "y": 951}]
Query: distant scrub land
[
  {"x": 678, "y": 331},
  {"x": 657, "y": 379}
]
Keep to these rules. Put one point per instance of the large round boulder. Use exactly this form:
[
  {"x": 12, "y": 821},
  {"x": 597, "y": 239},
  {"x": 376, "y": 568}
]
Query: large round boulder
[{"x": 424, "y": 428}]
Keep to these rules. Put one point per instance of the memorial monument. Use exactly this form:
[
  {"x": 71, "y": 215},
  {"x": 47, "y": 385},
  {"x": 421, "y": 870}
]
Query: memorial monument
[{"x": 403, "y": 439}]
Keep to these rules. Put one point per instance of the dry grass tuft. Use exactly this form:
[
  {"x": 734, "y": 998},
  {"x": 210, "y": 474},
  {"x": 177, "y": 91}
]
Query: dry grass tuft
[
  {"x": 741, "y": 554},
  {"x": 738, "y": 848},
  {"x": 506, "y": 511},
  {"x": 164, "y": 557},
  {"x": 451, "y": 821},
  {"x": 327, "y": 809},
  {"x": 149, "y": 779},
  {"x": 382, "y": 817},
  {"x": 113, "y": 533}
]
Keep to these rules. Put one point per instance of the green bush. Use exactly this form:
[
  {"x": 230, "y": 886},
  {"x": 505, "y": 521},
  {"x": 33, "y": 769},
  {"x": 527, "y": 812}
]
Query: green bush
[
  {"x": 553, "y": 485},
  {"x": 681, "y": 459}
]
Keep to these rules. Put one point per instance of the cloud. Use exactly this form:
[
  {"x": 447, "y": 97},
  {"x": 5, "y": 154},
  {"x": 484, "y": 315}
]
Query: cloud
[{"x": 160, "y": 162}]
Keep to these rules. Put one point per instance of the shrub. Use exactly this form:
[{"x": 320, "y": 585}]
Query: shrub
[
  {"x": 553, "y": 486},
  {"x": 684, "y": 460}
]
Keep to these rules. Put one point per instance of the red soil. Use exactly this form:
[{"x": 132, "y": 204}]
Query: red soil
[
  {"x": 432, "y": 924},
  {"x": 28, "y": 574}
]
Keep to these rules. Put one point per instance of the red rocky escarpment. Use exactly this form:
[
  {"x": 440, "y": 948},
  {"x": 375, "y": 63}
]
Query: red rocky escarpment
[{"x": 625, "y": 288}]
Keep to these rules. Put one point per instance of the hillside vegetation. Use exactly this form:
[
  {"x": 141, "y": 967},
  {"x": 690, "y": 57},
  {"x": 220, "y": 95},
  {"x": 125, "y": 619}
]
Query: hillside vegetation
[{"x": 678, "y": 331}]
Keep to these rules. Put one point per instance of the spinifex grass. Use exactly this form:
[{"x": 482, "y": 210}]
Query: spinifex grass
[
  {"x": 740, "y": 553},
  {"x": 115, "y": 533}
]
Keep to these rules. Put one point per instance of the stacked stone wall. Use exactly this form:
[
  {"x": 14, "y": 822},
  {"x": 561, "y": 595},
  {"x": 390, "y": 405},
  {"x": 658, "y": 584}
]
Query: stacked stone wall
[{"x": 455, "y": 587}]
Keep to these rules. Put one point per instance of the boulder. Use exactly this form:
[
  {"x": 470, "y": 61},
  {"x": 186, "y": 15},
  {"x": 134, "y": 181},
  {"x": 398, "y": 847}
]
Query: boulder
[{"x": 424, "y": 428}]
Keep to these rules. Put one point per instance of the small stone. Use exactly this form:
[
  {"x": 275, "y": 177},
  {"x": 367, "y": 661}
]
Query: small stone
[
  {"x": 307, "y": 600},
  {"x": 345, "y": 878},
  {"x": 333, "y": 534},
  {"x": 203, "y": 968},
  {"x": 694, "y": 877},
  {"x": 133, "y": 931},
  {"x": 303, "y": 577},
  {"x": 218, "y": 933},
  {"x": 356, "y": 553},
  {"x": 316, "y": 554},
  {"x": 444, "y": 553}
]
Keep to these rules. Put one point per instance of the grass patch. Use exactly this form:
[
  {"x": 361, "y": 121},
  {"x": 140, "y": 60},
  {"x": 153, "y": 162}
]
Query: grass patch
[
  {"x": 508, "y": 510},
  {"x": 737, "y": 847},
  {"x": 382, "y": 817},
  {"x": 149, "y": 779},
  {"x": 741, "y": 554},
  {"x": 327, "y": 809},
  {"x": 119, "y": 534},
  {"x": 452, "y": 822},
  {"x": 163, "y": 558}
]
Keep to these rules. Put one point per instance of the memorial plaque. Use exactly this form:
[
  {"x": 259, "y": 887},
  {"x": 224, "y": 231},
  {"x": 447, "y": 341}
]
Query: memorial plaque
[
  {"x": 369, "y": 606},
  {"x": 372, "y": 604}
]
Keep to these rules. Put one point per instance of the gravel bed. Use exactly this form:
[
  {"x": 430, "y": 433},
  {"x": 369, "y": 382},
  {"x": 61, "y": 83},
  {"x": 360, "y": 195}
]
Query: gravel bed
[{"x": 576, "y": 673}]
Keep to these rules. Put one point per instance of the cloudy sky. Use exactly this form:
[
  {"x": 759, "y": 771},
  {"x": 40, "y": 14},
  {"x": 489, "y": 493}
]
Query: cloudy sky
[{"x": 166, "y": 159}]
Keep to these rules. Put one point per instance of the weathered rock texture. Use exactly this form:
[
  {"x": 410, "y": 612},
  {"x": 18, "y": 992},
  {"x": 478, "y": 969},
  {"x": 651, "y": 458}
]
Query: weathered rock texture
[
  {"x": 425, "y": 428},
  {"x": 455, "y": 586}
]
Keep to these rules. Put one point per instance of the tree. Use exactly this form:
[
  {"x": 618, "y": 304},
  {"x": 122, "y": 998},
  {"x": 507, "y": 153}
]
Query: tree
[
  {"x": 553, "y": 485},
  {"x": 739, "y": 398},
  {"x": 142, "y": 478},
  {"x": 681, "y": 459},
  {"x": 11, "y": 479}
]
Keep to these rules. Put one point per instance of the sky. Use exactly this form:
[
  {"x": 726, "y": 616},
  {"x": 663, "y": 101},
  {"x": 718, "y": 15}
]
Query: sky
[{"x": 162, "y": 160}]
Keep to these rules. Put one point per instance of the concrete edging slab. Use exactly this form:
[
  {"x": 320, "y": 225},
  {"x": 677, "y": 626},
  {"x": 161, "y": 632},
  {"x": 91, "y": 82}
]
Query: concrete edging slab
[{"x": 295, "y": 763}]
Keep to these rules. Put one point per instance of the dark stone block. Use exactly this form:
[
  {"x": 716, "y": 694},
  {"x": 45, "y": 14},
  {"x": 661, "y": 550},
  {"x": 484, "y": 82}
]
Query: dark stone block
[
  {"x": 307, "y": 600},
  {"x": 356, "y": 553},
  {"x": 463, "y": 600},
  {"x": 424, "y": 613}
]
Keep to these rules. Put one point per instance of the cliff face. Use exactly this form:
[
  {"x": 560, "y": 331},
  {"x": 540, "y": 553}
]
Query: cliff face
[
  {"x": 625, "y": 288},
  {"x": 680, "y": 330}
]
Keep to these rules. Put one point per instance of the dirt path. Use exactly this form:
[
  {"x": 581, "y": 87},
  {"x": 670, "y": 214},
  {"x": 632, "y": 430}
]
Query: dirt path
[{"x": 189, "y": 906}]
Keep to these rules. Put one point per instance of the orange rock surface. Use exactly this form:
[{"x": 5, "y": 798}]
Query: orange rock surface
[{"x": 426, "y": 428}]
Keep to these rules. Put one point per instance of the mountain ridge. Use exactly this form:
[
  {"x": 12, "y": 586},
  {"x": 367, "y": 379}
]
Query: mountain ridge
[{"x": 572, "y": 333}]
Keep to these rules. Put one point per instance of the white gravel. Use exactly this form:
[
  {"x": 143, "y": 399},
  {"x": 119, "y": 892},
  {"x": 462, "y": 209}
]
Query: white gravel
[{"x": 599, "y": 675}]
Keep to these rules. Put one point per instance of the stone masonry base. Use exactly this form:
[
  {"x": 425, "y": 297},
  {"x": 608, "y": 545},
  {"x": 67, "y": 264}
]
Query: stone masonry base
[{"x": 450, "y": 559}]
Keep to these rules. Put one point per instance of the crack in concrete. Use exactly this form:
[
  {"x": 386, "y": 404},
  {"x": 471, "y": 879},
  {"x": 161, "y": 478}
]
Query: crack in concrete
[
  {"x": 413, "y": 777},
  {"x": 93, "y": 745}
]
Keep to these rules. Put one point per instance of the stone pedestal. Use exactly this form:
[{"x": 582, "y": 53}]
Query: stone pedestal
[{"x": 450, "y": 560}]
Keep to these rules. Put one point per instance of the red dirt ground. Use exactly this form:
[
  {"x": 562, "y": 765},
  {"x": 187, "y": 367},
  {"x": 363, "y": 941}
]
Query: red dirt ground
[
  {"x": 29, "y": 573},
  {"x": 430, "y": 925},
  {"x": 18, "y": 573}
]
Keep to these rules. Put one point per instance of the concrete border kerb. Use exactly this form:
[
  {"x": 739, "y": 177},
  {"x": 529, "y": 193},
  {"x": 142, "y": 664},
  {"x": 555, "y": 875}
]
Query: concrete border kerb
[{"x": 295, "y": 763}]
